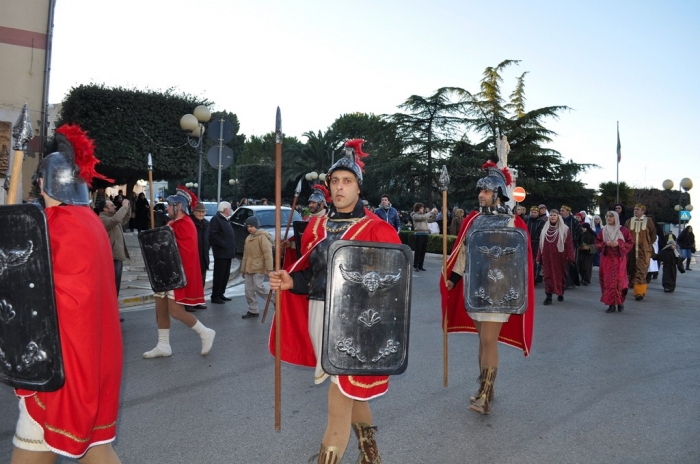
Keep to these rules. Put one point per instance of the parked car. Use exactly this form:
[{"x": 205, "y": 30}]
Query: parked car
[{"x": 266, "y": 216}]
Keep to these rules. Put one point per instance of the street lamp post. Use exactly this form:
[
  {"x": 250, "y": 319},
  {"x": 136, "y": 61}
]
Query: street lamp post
[
  {"x": 234, "y": 183},
  {"x": 686, "y": 184},
  {"x": 193, "y": 126}
]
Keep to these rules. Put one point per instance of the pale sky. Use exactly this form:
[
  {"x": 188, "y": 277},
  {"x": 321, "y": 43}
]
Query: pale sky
[{"x": 636, "y": 62}]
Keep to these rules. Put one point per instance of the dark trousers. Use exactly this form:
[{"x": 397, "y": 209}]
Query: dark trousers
[
  {"x": 222, "y": 272},
  {"x": 421, "y": 247},
  {"x": 118, "y": 266}
]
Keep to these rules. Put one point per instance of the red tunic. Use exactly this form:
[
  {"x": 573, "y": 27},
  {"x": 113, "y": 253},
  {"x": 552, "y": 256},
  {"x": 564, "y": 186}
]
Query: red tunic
[
  {"x": 83, "y": 412},
  {"x": 186, "y": 238},
  {"x": 613, "y": 268},
  {"x": 517, "y": 332},
  {"x": 296, "y": 347}
]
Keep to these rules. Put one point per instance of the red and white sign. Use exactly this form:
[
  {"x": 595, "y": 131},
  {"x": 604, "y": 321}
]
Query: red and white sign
[{"x": 519, "y": 194}]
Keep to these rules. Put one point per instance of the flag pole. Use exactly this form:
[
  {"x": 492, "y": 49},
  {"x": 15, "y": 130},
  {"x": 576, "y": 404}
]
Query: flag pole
[{"x": 619, "y": 153}]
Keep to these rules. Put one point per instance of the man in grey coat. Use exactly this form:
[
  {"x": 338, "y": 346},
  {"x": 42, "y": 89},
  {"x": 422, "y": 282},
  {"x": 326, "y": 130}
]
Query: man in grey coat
[{"x": 114, "y": 221}]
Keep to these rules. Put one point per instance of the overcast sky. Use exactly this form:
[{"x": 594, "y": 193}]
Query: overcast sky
[{"x": 636, "y": 62}]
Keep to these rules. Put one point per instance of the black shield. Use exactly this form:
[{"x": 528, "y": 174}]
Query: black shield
[
  {"x": 30, "y": 345},
  {"x": 162, "y": 259},
  {"x": 368, "y": 302},
  {"x": 299, "y": 228},
  {"x": 497, "y": 273}
]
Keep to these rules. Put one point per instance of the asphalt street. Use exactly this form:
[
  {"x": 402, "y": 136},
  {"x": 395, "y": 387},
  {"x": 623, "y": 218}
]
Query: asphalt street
[{"x": 597, "y": 388}]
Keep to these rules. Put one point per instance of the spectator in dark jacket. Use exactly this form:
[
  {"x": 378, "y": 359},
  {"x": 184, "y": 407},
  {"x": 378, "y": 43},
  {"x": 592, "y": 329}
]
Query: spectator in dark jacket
[
  {"x": 202, "y": 226},
  {"x": 388, "y": 213},
  {"x": 223, "y": 245}
]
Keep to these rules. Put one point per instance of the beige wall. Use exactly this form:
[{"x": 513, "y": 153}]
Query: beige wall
[{"x": 23, "y": 44}]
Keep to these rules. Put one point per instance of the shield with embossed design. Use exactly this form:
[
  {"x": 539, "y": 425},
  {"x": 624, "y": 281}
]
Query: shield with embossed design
[
  {"x": 30, "y": 344},
  {"x": 162, "y": 258},
  {"x": 496, "y": 274},
  {"x": 368, "y": 302}
]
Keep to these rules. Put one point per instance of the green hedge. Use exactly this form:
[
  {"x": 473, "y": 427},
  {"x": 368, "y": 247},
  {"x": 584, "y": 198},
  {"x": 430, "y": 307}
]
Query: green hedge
[{"x": 434, "y": 241}]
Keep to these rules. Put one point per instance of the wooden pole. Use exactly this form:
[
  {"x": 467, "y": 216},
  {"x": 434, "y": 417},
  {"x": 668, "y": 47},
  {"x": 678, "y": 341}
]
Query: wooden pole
[
  {"x": 286, "y": 235},
  {"x": 150, "y": 189},
  {"x": 278, "y": 261},
  {"x": 444, "y": 182}
]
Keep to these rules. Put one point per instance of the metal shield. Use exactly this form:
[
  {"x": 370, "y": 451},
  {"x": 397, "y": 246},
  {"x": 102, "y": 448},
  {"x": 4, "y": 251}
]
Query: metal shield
[
  {"x": 30, "y": 344},
  {"x": 496, "y": 274},
  {"x": 368, "y": 302},
  {"x": 299, "y": 228},
  {"x": 162, "y": 258}
]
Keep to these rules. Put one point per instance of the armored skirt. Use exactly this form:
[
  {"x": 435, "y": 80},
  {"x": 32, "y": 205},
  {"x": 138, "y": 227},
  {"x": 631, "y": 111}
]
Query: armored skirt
[{"x": 82, "y": 413}]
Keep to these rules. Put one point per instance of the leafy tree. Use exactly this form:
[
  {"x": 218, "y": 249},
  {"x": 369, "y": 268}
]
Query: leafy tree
[
  {"x": 427, "y": 131},
  {"x": 386, "y": 171},
  {"x": 607, "y": 197},
  {"x": 317, "y": 154},
  {"x": 129, "y": 124},
  {"x": 541, "y": 171}
]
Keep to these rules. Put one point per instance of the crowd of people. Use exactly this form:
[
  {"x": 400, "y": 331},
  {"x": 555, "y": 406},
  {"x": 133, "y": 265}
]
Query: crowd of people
[{"x": 550, "y": 246}]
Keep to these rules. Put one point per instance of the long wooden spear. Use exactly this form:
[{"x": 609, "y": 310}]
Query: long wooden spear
[
  {"x": 444, "y": 182},
  {"x": 286, "y": 235},
  {"x": 22, "y": 133},
  {"x": 150, "y": 188},
  {"x": 278, "y": 262}
]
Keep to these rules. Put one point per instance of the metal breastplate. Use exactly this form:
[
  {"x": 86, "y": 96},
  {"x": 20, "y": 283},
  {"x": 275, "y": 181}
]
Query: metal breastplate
[
  {"x": 318, "y": 259},
  {"x": 496, "y": 273}
]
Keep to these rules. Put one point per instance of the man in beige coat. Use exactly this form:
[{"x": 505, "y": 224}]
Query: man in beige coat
[
  {"x": 114, "y": 220},
  {"x": 257, "y": 262}
]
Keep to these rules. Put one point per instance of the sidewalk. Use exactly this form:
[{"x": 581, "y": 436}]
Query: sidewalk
[{"x": 136, "y": 289}]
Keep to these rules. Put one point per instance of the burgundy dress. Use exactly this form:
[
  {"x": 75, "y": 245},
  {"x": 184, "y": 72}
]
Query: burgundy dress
[
  {"x": 555, "y": 263},
  {"x": 613, "y": 268}
]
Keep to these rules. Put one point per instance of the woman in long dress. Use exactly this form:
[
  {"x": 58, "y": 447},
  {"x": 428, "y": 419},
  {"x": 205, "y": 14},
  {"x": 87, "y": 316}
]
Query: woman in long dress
[
  {"x": 613, "y": 242},
  {"x": 555, "y": 253}
]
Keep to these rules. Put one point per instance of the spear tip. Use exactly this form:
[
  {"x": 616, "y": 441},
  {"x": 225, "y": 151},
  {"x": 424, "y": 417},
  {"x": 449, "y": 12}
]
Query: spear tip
[{"x": 278, "y": 126}]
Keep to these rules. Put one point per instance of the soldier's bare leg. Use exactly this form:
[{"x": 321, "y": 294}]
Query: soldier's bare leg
[
  {"x": 340, "y": 415},
  {"x": 101, "y": 454},
  {"x": 162, "y": 317},
  {"x": 20, "y": 456},
  {"x": 488, "y": 342}
]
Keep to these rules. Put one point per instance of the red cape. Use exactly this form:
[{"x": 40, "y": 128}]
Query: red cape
[
  {"x": 186, "y": 237},
  {"x": 517, "y": 332},
  {"x": 83, "y": 412},
  {"x": 296, "y": 347}
]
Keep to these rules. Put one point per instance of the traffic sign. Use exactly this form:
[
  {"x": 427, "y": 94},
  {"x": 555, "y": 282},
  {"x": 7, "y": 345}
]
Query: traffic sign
[
  {"x": 685, "y": 215},
  {"x": 222, "y": 128},
  {"x": 519, "y": 194},
  {"x": 226, "y": 157}
]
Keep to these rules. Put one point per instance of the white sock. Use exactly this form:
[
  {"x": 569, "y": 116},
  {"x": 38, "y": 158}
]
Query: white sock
[
  {"x": 199, "y": 327},
  {"x": 164, "y": 337}
]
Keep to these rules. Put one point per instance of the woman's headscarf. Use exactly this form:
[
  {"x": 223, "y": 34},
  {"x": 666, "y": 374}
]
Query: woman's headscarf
[
  {"x": 562, "y": 230},
  {"x": 611, "y": 233}
]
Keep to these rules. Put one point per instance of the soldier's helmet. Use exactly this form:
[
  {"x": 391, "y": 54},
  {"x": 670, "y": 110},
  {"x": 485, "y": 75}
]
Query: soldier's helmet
[
  {"x": 68, "y": 172},
  {"x": 351, "y": 160},
  {"x": 496, "y": 180}
]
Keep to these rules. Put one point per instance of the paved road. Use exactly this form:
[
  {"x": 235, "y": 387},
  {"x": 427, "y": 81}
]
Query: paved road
[{"x": 598, "y": 388}]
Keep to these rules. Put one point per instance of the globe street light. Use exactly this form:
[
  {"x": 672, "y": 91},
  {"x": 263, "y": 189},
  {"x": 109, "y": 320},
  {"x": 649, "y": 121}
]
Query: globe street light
[
  {"x": 234, "y": 183},
  {"x": 193, "y": 127},
  {"x": 686, "y": 184}
]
